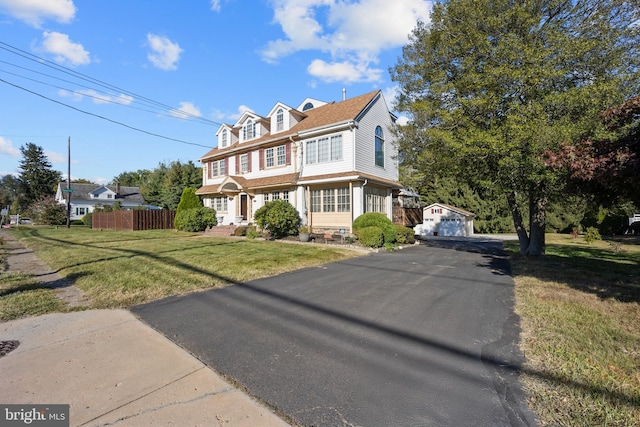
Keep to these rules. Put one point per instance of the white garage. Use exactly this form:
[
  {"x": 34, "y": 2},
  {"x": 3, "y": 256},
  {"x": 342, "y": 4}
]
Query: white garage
[{"x": 440, "y": 219}]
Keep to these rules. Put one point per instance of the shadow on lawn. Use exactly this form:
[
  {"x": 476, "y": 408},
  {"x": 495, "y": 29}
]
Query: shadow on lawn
[{"x": 607, "y": 273}]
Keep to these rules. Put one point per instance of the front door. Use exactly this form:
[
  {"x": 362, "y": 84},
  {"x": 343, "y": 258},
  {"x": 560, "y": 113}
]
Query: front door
[{"x": 243, "y": 206}]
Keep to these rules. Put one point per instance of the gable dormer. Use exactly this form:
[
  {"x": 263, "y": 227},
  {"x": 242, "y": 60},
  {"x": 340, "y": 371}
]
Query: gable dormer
[
  {"x": 103, "y": 193},
  {"x": 226, "y": 136},
  {"x": 251, "y": 126},
  {"x": 282, "y": 118}
]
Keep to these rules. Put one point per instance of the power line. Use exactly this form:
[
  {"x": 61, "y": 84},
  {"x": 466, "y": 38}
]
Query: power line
[
  {"x": 104, "y": 118},
  {"x": 65, "y": 70}
]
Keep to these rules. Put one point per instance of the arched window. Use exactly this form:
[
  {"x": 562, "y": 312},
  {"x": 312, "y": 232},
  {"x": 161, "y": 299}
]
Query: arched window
[
  {"x": 280, "y": 120},
  {"x": 307, "y": 106},
  {"x": 224, "y": 138},
  {"x": 379, "y": 147},
  {"x": 249, "y": 130}
]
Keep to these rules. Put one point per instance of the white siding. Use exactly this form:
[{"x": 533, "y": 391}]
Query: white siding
[{"x": 378, "y": 115}]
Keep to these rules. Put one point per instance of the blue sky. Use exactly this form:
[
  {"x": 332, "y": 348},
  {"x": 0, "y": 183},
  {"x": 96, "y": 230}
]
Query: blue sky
[{"x": 136, "y": 83}]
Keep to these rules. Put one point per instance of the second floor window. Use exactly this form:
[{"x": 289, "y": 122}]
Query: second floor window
[
  {"x": 244, "y": 163},
  {"x": 379, "y": 147},
  {"x": 324, "y": 150},
  {"x": 217, "y": 168},
  {"x": 275, "y": 156}
]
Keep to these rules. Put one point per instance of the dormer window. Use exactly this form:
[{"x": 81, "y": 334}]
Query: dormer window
[
  {"x": 280, "y": 120},
  {"x": 249, "y": 130},
  {"x": 224, "y": 138},
  {"x": 307, "y": 106}
]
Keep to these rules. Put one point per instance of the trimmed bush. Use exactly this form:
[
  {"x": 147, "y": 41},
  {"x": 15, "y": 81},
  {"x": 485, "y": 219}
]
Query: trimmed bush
[
  {"x": 189, "y": 200},
  {"x": 241, "y": 230},
  {"x": 278, "y": 217},
  {"x": 405, "y": 235},
  {"x": 592, "y": 235},
  {"x": 376, "y": 219},
  {"x": 372, "y": 237},
  {"x": 195, "y": 219},
  {"x": 87, "y": 219}
]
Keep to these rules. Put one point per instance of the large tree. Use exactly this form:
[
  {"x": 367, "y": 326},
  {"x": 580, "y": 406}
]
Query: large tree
[
  {"x": 37, "y": 178},
  {"x": 489, "y": 85}
]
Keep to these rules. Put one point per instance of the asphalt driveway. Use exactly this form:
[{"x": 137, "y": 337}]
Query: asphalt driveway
[{"x": 424, "y": 336}]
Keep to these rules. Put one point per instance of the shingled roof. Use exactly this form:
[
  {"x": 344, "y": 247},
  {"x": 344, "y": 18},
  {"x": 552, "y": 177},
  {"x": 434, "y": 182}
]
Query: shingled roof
[
  {"x": 325, "y": 115},
  {"x": 124, "y": 193}
]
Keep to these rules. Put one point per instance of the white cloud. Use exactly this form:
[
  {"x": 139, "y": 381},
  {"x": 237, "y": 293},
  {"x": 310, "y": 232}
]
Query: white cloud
[
  {"x": 56, "y": 157},
  {"x": 346, "y": 72},
  {"x": 34, "y": 12},
  {"x": 352, "y": 32},
  {"x": 215, "y": 5},
  {"x": 64, "y": 49},
  {"x": 6, "y": 147},
  {"x": 187, "y": 110},
  {"x": 164, "y": 53},
  {"x": 97, "y": 97}
]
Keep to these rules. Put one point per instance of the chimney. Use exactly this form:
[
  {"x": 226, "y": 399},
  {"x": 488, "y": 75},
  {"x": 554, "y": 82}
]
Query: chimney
[
  {"x": 117, "y": 188},
  {"x": 344, "y": 93}
]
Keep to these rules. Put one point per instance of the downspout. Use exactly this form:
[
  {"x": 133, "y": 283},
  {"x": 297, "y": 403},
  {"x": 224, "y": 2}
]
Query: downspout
[{"x": 364, "y": 197}]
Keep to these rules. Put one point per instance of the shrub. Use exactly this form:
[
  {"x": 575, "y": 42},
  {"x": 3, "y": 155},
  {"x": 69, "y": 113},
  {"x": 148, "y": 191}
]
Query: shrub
[
  {"x": 405, "y": 235},
  {"x": 278, "y": 217},
  {"x": 241, "y": 230},
  {"x": 189, "y": 200},
  {"x": 252, "y": 233},
  {"x": 76, "y": 222},
  {"x": 87, "y": 219},
  {"x": 376, "y": 219},
  {"x": 592, "y": 234},
  {"x": 372, "y": 237},
  {"x": 195, "y": 219},
  {"x": 48, "y": 212}
]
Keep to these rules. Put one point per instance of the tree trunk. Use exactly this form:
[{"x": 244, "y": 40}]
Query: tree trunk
[
  {"x": 516, "y": 213},
  {"x": 537, "y": 221}
]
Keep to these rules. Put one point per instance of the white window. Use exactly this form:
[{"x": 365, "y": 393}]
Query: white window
[
  {"x": 324, "y": 150},
  {"x": 224, "y": 138},
  {"x": 265, "y": 196},
  {"x": 281, "y": 155},
  {"x": 249, "y": 130},
  {"x": 280, "y": 120},
  {"x": 217, "y": 168},
  {"x": 220, "y": 204},
  {"x": 331, "y": 200},
  {"x": 376, "y": 199},
  {"x": 268, "y": 158},
  {"x": 82, "y": 211},
  {"x": 244, "y": 163}
]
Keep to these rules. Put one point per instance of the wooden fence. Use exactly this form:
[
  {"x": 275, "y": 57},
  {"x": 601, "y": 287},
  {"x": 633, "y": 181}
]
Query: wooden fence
[
  {"x": 133, "y": 220},
  {"x": 409, "y": 217}
]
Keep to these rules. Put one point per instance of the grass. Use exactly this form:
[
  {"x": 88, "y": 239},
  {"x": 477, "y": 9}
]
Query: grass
[
  {"x": 580, "y": 319},
  {"x": 121, "y": 269},
  {"x": 579, "y": 305}
]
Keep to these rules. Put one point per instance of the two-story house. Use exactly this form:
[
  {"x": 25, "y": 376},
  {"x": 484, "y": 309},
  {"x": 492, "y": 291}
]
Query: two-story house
[
  {"x": 332, "y": 161},
  {"x": 85, "y": 197}
]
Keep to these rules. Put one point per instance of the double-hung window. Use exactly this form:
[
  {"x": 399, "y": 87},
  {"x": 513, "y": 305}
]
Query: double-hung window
[
  {"x": 268, "y": 158},
  {"x": 331, "y": 200},
  {"x": 280, "y": 120},
  {"x": 244, "y": 163},
  {"x": 324, "y": 150}
]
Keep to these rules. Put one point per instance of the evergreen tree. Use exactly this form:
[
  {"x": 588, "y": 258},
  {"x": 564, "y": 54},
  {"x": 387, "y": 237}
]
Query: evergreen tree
[
  {"x": 491, "y": 85},
  {"x": 37, "y": 179}
]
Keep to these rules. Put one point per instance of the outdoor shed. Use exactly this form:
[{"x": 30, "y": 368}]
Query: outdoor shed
[{"x": 439, "y": 219}]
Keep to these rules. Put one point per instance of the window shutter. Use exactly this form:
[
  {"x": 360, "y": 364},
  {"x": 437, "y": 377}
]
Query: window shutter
[
  {"x": 208, "y": 168},
  {"x": 261, "y": 154},
  {"x": 288, "y": 153},
  {"x": 226, "y": 166},
  {"x": 248, "y": 162},
  {"x": 238, "y": 164}
]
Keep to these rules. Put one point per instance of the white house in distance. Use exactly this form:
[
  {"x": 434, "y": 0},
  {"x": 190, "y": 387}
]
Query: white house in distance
[
  {"x": 331, "y": 161},
  {"x": 439, "y": 219},
  {"x": 85, "y": 197}
]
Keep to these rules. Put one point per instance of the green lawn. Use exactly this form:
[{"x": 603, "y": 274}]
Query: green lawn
[
  {"x": 121, "y": 269},
  {"x": 580, "y": 318}
]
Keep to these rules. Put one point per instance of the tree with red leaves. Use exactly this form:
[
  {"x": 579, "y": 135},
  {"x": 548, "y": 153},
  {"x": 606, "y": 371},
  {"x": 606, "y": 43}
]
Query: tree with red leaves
[{"x": 609, "y": 167}]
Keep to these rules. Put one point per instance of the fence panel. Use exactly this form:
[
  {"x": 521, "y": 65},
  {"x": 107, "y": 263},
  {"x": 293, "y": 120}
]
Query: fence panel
[{"x": 134, "y": 220}]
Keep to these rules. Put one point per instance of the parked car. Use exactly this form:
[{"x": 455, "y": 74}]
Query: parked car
[{"x": 26, "y": 221}]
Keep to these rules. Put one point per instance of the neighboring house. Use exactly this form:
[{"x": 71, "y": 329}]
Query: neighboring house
[
  {"x": 331, "y": 161},
  {"x": 439, "y": 219},
  {"x": 85, "y": 197}
]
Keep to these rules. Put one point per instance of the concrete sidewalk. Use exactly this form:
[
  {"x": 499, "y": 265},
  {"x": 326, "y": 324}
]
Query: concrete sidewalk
[{"x": 114, "y": 370}]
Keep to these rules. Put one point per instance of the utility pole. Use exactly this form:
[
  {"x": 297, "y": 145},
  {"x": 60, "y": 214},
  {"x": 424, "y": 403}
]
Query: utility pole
[{"x": 69, "y": 183}]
